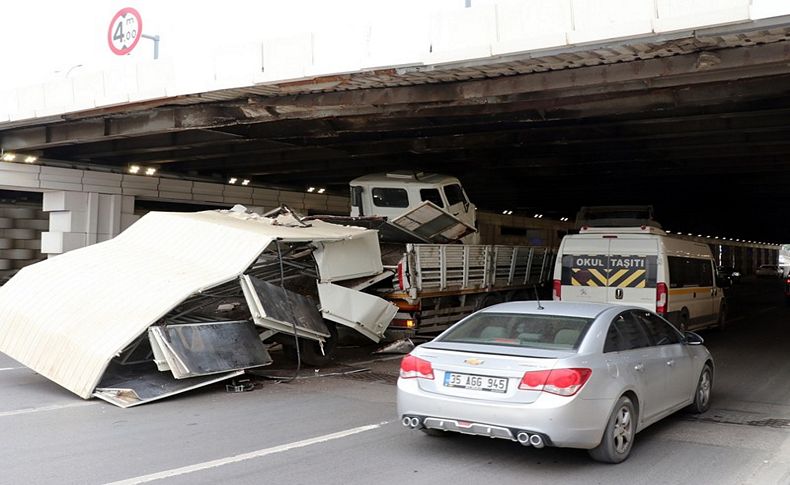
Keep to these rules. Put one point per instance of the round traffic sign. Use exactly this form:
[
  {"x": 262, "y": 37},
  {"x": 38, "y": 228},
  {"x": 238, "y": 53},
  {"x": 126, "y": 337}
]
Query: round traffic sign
[{"x": 125, "y": 31}]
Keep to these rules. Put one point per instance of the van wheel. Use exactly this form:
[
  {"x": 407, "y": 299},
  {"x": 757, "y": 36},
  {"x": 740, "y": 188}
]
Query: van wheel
[
  {"x": 722, "y": 323},
  {"x": 683, "y": 320}
]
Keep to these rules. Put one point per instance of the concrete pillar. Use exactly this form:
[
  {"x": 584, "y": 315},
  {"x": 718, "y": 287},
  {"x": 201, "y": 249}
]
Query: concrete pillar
[{"x": 79, "y": 219}]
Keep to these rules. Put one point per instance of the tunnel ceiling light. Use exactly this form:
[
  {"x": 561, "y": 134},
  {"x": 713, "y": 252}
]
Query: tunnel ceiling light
[
  {"x": 30, "y": 159},
  {"x": 311, "y": 189},
  {"x": 150, "y": 171},
  {"x": 9, "y": 157},
  {"x": 232, "y": 180},
  {"x": 134, "y": 169},
  {"x": 245, "y": 182},
  {"x": 321, "y": 190}
]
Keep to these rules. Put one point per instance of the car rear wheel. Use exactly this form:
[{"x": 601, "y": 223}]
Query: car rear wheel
[
  {"x": 702, "y": 393},
  {"x": 618, "y": 437}
]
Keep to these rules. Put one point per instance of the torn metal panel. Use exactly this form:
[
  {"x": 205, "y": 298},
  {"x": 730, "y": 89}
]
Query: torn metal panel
[
  {"x": 367, "y": 314},
  {"x": 68, "y": 317},
  {"x": 433, "y": 223},
  {"x": 150, "y": 385},
  {"x": 276, "y": 308},
  {"x": 199, "y": 349},
  {"x": 349, "y": 258},
  {"x": 386, "y": 230},
  {"x": 360, "y": 284}
]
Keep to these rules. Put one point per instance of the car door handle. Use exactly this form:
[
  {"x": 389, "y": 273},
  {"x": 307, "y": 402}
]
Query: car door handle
[
  {"x": 670, "y": 363},
  {"x": 639, "y": 367}
]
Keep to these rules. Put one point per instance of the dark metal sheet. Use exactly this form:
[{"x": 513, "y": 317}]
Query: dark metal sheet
[
  {"x": 198, "y": 349},
  {"x": 140, "y": 384},
  {"x": 283, "y": 308}
]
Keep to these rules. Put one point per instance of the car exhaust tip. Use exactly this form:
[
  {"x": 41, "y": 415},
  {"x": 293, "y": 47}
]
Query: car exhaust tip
[
  {"x": 406, "y": 421},
  {"x": 414, "y": 422},
  {"x": 536, "y": 440},
  {"x": 523, "y": 438}
]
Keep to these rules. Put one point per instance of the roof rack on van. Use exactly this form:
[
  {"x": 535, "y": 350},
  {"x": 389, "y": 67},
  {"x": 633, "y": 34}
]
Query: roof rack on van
[
  {"x": 623, "y": 230},
  {"x": 617, "y": 216}
]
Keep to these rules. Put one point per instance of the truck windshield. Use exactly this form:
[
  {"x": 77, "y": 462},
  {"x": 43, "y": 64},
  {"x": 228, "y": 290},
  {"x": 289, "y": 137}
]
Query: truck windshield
[
  {"x": 386, "y": 197},
  {"x": 454, "y": 194},
  {"x": 432, "y": 195},
  {"x": 520, "y": 330}
]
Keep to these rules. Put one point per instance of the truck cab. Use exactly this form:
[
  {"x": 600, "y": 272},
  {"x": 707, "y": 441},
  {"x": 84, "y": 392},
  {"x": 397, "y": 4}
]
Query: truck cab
[{"x": 393, "y": 193}]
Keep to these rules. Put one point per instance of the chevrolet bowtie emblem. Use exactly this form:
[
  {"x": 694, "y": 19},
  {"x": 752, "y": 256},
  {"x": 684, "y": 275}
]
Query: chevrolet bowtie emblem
[{"x": 473, "y": 361}]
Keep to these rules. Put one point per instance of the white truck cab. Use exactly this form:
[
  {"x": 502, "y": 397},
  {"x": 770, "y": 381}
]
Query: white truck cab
[{"x": 393, "y": 193}]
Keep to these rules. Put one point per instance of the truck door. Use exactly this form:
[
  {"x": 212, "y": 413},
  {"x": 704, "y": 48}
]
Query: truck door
[
  {"x": 632, "y": 272},
  {"x": 458, "y": 205}
]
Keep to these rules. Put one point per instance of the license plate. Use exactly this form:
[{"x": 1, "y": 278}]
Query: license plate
[{"x": 475, "y": 383}]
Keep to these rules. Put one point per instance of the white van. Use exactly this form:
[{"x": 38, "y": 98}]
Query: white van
[{"x": 641, "y": 266}]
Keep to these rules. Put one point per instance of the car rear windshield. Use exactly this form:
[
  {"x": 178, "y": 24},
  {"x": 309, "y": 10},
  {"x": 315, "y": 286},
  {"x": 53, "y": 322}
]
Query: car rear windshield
[{"x": 519, "y": 330}]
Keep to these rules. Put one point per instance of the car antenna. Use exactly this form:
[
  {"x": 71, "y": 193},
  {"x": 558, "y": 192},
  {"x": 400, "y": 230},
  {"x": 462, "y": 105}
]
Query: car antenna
[{"x": 537, "y": 298}]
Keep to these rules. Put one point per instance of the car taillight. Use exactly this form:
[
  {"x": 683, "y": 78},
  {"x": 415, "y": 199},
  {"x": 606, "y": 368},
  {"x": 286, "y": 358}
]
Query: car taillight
[
  {"x": 563, "y": 382},
  {"x": 411, "y": 367},
  {"x": 662, "y": 297},
  {"x": 557, "y": 290}
]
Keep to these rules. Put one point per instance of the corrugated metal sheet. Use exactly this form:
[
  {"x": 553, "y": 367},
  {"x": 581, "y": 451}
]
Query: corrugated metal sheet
[{"x": 67, "y": 317}]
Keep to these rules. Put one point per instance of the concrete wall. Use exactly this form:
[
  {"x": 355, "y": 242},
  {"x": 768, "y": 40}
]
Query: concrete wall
[{"x": 489, "y": 28}]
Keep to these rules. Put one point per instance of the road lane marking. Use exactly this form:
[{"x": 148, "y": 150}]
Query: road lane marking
[
  {"x": 246, "y": 456},
  {"x": 54, "y": 407},
  {"x": 11, "y": 368}
]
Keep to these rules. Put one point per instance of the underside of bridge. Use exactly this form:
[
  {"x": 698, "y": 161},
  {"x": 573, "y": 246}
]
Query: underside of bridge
[{"x": 698, "y": 126}]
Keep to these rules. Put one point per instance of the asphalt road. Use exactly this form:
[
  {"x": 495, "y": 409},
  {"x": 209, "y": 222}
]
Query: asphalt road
[{"x": 342, "y": 429}]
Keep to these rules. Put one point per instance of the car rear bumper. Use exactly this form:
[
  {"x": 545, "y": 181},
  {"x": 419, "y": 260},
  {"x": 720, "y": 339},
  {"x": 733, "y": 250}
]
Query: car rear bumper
[{"x": 565, "y": 422}]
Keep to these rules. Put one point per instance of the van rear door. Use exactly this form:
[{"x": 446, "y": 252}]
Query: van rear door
[
  {"x": 610, "y": 270},
  {"x": 584, "y": 265},
  {"x": 632, "y": 271}
]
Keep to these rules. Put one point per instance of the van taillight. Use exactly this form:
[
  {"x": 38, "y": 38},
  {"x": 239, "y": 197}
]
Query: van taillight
[
  {"x": 556, "y": 293},
  {"x": 662, "y": 297}
]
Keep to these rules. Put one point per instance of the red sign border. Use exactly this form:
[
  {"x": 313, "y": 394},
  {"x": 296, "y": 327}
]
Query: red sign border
[{"x": 122, "y": 12}]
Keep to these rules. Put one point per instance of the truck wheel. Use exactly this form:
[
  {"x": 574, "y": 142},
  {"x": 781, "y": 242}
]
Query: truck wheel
[
  {"x": 310, "y": 350},
  {"x": 489, "y": 300}
]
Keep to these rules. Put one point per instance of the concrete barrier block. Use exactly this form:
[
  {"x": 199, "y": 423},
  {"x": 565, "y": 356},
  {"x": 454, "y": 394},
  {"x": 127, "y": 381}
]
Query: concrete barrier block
[
  {"x": 140, "y": 192},
  {"x": 537, "y": 24},
  {"x": 206, "y": 188},
  {"x": 19, "y": 180},
  {"x": 173, "y": 185},
  {"x": 102, "y": 189},
  {"x": 676, "y": 15},
  {"x": 61, "y": 242},
  {"x": 286, "y": 57},
  {"x": 59, "y": 94},
  {"x": 88, "y": 85},
  {"x": 127, "y": 204},
  {"x": 57, "y": 174},
  {"x": 598, "y": 20},
  {"x": 462, "y": 34},
  {"x": 17, "y": 167},
  {"x": 65, "y": 201},
  {"x": 208, "y": 198},
  {"x": 140, "y": 182},
  {"x": 68, "y": 221},
  {"x": 389, "y": 43},
  {"x": 175, "y": 195}
]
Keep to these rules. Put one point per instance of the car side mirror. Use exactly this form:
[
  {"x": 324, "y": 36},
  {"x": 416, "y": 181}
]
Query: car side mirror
[{"x": 693, "y": 338}]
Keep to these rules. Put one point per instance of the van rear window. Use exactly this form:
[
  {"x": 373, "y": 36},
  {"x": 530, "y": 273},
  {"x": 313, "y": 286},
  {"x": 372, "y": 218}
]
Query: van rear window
[{"x": 618, "y": 271}]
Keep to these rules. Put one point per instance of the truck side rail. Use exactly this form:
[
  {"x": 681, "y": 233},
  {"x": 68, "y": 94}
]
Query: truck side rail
[{"x": 460, "y": 267}]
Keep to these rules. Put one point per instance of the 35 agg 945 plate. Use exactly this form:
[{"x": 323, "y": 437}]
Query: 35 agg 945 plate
[{"x": 475, "y": 382}]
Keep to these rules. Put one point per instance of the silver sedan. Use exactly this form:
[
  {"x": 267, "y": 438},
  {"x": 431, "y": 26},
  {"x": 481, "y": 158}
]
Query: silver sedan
[{"x": 579, "y": 375}]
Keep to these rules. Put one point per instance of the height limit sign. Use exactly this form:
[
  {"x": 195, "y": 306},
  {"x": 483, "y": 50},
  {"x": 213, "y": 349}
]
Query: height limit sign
[{"x": 125, "y": 31}]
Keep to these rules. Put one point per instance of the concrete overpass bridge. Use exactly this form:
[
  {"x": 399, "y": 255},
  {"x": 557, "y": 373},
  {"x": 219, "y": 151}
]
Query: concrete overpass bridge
[{"x": 538, "y": 106}]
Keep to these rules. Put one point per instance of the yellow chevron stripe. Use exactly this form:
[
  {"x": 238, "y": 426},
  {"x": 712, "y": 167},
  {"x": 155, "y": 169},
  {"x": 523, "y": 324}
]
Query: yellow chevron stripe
[
  {"x": 636, "y": 274},
  {"x": 613, "y": 279},
  {"x": 600, "y": 277},
  {"x": 642, "y": 284}
]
